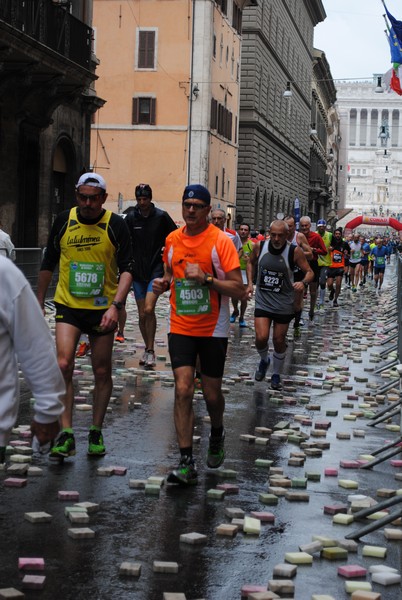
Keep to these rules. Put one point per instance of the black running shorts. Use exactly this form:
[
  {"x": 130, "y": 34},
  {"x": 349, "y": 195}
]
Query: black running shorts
[
  {"x": 280, "y": 319},
  {"x": 86, "y": 320},
  {"x": 184, "y": 349}
]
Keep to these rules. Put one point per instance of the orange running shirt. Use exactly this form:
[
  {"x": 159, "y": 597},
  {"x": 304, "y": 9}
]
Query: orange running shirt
[
  {"x": 199, "y": 310},
  {"x": 337, "y": 259}
]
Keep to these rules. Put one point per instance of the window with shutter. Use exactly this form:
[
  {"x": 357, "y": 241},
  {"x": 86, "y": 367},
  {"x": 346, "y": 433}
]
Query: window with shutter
[
  {"x": 221, "y": 120},
  {"x": 135, "y": 119},
  {"x": 144, "y": 111},
  {"x": 223, "y": 183},
  {"x": 146, "y": 50},
  {"x": 214, "y": 110}
]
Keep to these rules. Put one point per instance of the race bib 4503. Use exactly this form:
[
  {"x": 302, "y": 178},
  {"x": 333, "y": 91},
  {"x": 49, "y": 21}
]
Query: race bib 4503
[{"x": 191, "y": 298}]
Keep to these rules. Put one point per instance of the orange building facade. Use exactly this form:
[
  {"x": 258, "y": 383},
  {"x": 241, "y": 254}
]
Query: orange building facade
[{"x": 169, "y": 72}]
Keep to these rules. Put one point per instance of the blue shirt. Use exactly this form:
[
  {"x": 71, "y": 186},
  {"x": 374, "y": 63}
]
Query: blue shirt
[
  {"x": 366, "y": 250},
  {"x": 379, "y": 256}
]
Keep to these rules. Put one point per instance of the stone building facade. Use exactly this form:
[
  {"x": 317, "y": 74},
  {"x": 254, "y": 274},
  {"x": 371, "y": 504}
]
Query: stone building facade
[
  {"x": 47, "y": 100},
  {"x": 274, "y": 142},
  {"x": 371, "y": 175},
  {"x": 324, "y": 143}
]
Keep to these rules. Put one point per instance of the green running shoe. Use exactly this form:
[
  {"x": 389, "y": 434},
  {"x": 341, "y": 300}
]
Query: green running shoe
[
  {"x": 96, "y": 447},
  {"x": 64, "y": 446},
  {"x": 185, "y": 474}
]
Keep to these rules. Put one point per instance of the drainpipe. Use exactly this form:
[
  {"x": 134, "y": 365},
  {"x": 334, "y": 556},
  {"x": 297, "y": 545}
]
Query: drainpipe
[{"x": 190, "y": 116}]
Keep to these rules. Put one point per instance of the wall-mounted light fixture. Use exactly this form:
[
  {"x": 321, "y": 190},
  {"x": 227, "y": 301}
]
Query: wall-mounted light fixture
[
  {"x": 196, "y": 91},
  {"x": 313, "y": 130},
  {"x": 288, "y": 92}
]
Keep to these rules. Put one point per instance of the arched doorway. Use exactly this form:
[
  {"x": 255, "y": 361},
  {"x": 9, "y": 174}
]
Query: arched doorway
[{"x": 63, "y": 180}]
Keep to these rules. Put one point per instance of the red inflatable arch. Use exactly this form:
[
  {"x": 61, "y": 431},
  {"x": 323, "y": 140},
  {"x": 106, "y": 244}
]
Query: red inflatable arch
[{"x": 382, "y": 221}]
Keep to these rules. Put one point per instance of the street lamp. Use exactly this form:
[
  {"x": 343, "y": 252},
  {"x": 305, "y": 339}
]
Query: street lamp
[
  {"x": 379, "y": 89},
  {"x": 288, "y": 92}
]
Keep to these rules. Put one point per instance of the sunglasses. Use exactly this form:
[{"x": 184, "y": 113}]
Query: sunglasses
[
  {"x": 189, "y": 205},
  {"x": 85, "y": 197}
]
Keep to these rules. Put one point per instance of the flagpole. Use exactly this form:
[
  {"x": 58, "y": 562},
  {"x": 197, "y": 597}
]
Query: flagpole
[{"x": 386, "y": 22}]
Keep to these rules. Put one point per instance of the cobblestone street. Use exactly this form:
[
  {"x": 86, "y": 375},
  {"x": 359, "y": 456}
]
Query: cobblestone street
[{"x": 291, "y": 467}]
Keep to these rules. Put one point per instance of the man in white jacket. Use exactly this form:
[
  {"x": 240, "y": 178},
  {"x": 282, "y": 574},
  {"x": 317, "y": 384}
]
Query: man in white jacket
[
  {"x": 6, "y": 245},
  {"x": 25, "y": 339}
]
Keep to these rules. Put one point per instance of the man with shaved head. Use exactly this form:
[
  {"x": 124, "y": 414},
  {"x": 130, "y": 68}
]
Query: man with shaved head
[{"x": 275, "y": 260}]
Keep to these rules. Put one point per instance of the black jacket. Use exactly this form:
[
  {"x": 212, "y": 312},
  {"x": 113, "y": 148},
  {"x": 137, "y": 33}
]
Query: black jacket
[{"x": 148, "y": 235}]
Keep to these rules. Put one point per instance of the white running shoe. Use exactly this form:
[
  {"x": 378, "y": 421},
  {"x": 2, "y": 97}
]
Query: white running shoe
[
  {"x": 143, "y": 358},
  {"x": 150, "y": 360}
]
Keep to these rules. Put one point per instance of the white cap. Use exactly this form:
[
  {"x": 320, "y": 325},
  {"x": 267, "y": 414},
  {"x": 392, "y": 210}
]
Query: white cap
[{"x": 93, "y": 180}]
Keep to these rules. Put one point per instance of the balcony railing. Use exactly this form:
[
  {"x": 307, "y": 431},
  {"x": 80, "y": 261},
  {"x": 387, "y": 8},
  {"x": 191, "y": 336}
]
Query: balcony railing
[{"x": 50, "y": 25}]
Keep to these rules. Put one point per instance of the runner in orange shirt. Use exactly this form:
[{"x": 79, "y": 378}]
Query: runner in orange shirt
[
  {"x": 202, "y": 271},
  {"x": 339, "y": 250}
]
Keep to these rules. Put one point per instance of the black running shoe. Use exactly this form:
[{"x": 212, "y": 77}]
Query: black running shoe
[
  {"x": 276, "y": 382},
  {"x": 216, "y": 451},
  {"x": 262, "y": 369},
  {"x": 185, "y": 474}
]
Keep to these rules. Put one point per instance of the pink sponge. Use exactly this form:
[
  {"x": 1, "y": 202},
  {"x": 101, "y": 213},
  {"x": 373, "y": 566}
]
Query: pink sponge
[
  {"x": 31, "y": 564},
  {"x": 350, "y": 571}
]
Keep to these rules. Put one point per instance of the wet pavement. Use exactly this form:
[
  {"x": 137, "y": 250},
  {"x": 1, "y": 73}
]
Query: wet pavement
[{"x": 133, "y": 526}]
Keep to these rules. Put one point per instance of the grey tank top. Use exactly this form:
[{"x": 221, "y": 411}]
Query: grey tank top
[{"x": 274, "y": 285}]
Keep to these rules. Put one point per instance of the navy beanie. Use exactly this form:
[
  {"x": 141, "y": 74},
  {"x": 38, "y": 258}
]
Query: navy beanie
[{"x": 197, "y": 191}]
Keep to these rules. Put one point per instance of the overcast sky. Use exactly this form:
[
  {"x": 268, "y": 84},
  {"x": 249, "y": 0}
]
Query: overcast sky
[{"x": 352, "y": 37}]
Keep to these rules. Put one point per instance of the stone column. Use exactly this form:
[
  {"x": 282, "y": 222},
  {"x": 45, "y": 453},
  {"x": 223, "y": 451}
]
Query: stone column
[
  {"x": 358, "y": 116},
  {"x": 368, "y": 134}
]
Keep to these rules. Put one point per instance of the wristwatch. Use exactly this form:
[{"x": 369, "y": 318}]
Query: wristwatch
[
  {"x": 208, "y": 279},
  {"x": 118, "y": 305}
]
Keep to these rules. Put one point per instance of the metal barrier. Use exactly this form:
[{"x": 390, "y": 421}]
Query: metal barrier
[
  {"x": 29, "y": 261},
  {"x": 398, "y": 258},
  {"x": 394, "y": 409}
]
